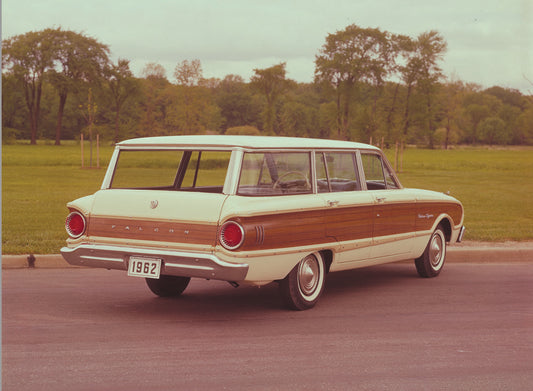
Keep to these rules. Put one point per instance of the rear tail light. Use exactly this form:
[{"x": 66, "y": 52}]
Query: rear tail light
[
  {"x": 231, "y": 235},
  {"x": 75, "y": 225}
]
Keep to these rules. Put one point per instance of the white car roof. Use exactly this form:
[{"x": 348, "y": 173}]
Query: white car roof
[{"x": 246, "y": 142}]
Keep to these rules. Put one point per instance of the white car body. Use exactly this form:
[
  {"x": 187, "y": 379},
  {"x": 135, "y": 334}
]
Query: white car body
[{"x": 345, "y": 223}]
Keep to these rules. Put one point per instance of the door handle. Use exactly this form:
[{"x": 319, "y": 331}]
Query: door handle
[
  {"x": 381, "y": 199},
  {"x": 333, "y": 203}
]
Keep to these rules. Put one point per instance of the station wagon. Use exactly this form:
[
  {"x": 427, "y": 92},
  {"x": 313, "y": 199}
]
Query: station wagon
[{"x": 256, "y": 210}]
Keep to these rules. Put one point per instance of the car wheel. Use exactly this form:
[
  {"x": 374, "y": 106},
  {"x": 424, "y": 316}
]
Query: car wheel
[
  {"x": 168, "y": 286},
  {"x": 303, "y": 286},
  {"x": 432, "y": 260}
]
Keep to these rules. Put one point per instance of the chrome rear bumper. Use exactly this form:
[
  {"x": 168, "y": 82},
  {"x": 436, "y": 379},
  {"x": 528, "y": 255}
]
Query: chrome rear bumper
[{"x": 174, "y": 263}]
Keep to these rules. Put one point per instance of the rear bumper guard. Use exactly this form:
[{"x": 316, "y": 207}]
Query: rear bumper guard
[
  {"x": 174, "y": 263},
  {"x": 461, "y": 234}
]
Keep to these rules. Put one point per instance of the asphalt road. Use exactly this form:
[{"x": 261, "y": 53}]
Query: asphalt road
[{"x": 380, "y": 328}]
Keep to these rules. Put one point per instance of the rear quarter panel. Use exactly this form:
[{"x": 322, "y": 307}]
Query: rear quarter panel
[{"x": 279, "y": 231}]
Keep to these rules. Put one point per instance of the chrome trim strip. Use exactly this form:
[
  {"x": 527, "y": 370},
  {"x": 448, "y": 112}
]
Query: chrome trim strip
[
  {"x": 167, "y": 264},
  {"x": 101, "y": 258},
  {"x": 174, "y": 263}
]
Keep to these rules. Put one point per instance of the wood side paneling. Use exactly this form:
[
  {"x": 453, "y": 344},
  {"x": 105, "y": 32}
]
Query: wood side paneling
[
  {"x": 163, "y": 231},
  {"x": 341, "y": 224},
  {"x": 349, "y": 223},
  {"x": 288, "y": 229},
  {"x": 394, "y": 218},
  {"x": 283, "y": 230}
]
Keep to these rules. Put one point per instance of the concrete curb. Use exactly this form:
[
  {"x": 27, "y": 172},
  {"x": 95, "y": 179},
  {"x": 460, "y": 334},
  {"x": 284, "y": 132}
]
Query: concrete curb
[
  {"x": 48, "y": 261},
  {"x": 490, "y": 254},
  {"x": 467, "y": 252}
]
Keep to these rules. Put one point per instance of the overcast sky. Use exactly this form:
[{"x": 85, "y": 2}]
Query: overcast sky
[{"x": 490, "y": 42}]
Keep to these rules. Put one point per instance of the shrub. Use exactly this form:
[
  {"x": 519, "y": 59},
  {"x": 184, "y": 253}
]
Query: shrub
[{"x": 9, "y": 135}]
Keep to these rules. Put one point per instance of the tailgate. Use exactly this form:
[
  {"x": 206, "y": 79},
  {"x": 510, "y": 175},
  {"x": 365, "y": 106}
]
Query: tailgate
[{"x": 157, "y": 216}]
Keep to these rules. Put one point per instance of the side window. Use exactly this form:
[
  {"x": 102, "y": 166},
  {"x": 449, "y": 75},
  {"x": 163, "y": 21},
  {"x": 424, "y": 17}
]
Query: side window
[
  {"x": 146, "y": 169},
  {"x": 336, "y": 171},
  {"x": 275, "y": 173},
  {"x": 389, "y": 178},
  {"x": 201, "y": 171},
  {"x": 206, "y": 169},
  {"x": 377, "y": 174}
]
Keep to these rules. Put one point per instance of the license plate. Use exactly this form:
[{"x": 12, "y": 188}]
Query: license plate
[{"x": 144, "y": 267}]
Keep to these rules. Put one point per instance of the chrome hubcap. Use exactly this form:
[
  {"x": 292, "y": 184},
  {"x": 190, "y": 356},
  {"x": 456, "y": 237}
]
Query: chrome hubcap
[
  {"x": 436, "y": 251},
  {"x": 308, "y": 275}
]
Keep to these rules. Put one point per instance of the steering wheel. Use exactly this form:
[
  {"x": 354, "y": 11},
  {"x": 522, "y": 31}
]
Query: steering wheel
[{"x": 283, "y": 176}]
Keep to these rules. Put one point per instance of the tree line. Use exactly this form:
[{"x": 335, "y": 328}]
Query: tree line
[{"x": 370, "y": 86}]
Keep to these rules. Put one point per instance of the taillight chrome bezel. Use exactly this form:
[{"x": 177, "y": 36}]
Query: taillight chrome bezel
[
  {"x": 223, "y": 241},
  {"x": 71, "y": 215}
]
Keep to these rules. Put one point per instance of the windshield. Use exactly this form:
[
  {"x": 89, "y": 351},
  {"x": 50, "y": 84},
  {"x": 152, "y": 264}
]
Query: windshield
[{"x": 202, "y": 171}]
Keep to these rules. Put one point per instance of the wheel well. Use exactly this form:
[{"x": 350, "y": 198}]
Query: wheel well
[
  {"x": 447, "y": 227},
  {"x": 328, "y": 258}
]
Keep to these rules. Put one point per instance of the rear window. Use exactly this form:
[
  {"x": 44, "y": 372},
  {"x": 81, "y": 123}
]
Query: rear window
[
  {"x": 275, "y": 173},
  {"x": 203, "y": 171}
]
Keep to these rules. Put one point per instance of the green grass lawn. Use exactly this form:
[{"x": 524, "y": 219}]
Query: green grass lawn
[
  {"x": 495, "y": 186},
  {"x": 37, "y": 182}
]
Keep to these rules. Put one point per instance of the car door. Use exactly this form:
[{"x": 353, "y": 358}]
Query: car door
[
  {"x": 348, "y": 213},
  {"x": 394, "y": 213}
]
